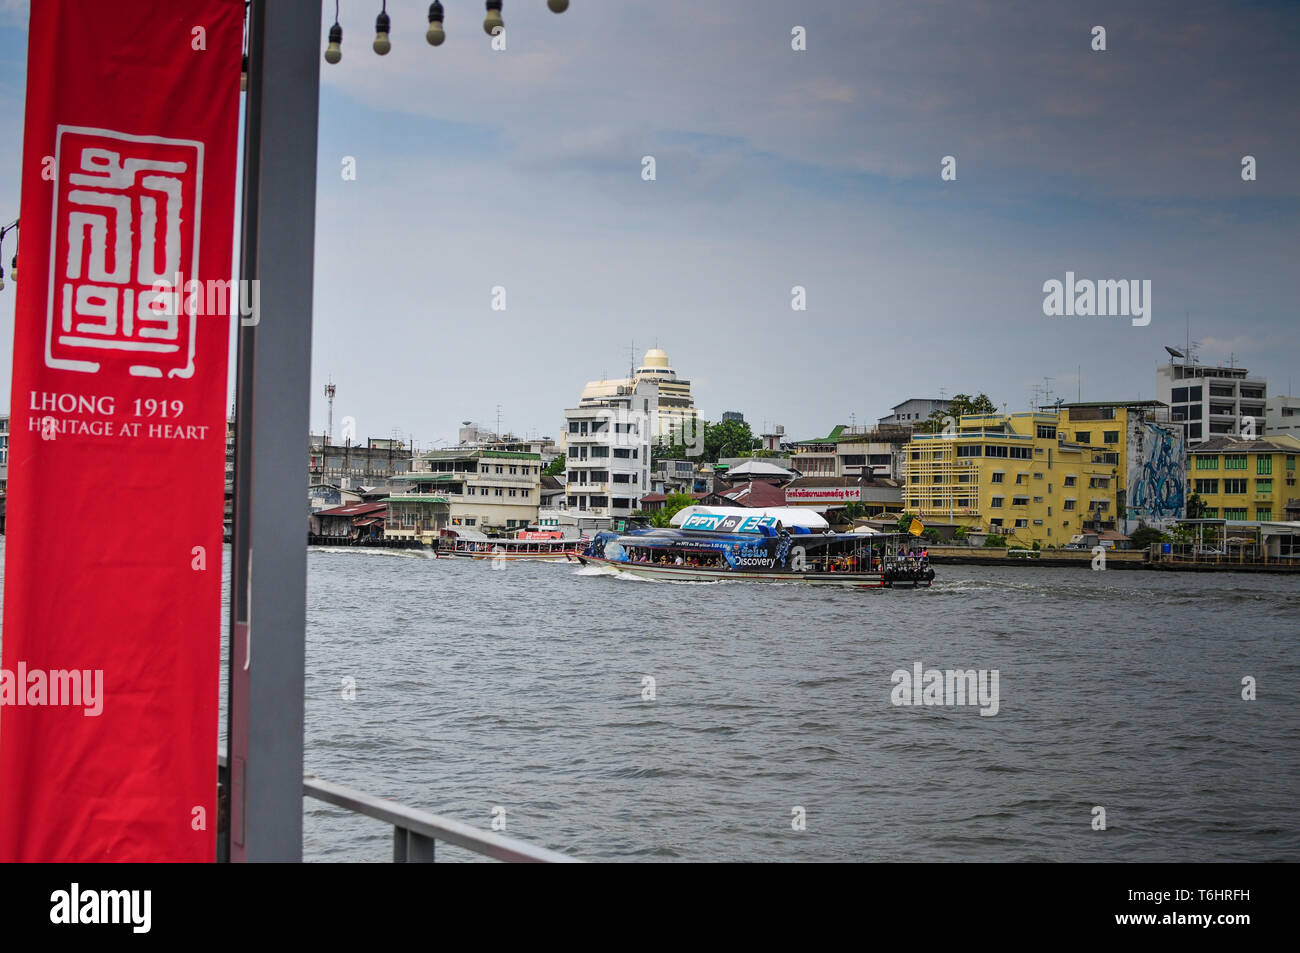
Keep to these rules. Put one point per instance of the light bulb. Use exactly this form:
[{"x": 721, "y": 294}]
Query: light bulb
[
  {"x": 334, "y": 51},
  {"x": 493, "y": 19},
  {"x": 557, "y": 6},
  {"x": 381, "y": 44},
  {"x": 436, "y": 35}
]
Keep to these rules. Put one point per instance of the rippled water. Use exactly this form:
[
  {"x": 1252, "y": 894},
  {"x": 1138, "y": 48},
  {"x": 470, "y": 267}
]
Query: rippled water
[{"x": 523, "y": 688}]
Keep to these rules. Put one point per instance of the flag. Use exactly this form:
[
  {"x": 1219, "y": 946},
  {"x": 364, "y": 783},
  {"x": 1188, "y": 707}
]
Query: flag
[{"x": 112, "y": 589}]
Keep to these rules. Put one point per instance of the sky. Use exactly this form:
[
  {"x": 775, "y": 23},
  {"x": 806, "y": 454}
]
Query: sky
[{"x": 777, "y": 168}]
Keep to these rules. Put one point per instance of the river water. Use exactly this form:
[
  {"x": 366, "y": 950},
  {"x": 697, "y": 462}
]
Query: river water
[{"x": 524, "y": 691}]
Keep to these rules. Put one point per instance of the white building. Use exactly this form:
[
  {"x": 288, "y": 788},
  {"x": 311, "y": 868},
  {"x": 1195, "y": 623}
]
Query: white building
[
  {"x": 480, "y": 490},
  {"x": 914, "y": 411},
  {"x": 1282, "y": 416},
  {"x": 676, "y": 407},
  {"x": 608, "y": 449},
  {"x": 1212, "y": 401}
]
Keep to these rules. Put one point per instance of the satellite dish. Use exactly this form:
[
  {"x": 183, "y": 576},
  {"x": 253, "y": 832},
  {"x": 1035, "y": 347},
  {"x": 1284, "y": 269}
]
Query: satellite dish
[{"x": 1174, "y": 352}]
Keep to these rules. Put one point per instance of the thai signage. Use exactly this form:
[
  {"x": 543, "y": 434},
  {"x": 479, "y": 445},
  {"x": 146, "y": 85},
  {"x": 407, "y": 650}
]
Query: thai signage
[{"x": 822, "y": 494}]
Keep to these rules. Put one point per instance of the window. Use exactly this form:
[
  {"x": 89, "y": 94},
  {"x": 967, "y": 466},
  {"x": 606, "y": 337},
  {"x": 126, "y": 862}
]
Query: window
[
  {"x": 600, "y": 452},
  {"x": 1180, "y": 395},
  {"x": 1234, "y": 461},
  {"x": 1206, "y": 462},
  {"x": 996, "y": 502},
  {"x": 622, "y": 454},
  {"x": 1099, "y": 483},
  {"x": 1264, "y": 513},
  {"x": 1020, "y": 501},
  {"x": 1070, "y": 481},
  {"x": 1110, "y": 436},
  {"x": 1020, "y": 478},
  {"x": 1234, "y": 513},
  {"x": 498, "y": 491},
  {"x": 1290, "y": 461},
  {"x": 1210, "y": 513},
  {"x": 1021, "y": 524},
  {"x": 469, "y": 521},
  {"x": 1046, "y": 432},
  {"x": 997, "y": 476},
  {"x": 937, "y": 478},
  {"x": 470, "y": 491},
  {"x": 994, "y": 451},
  {"x": 500, "y": 468},
  {"x": 1235, "y": 487},
  {"x": 1264, "y": 464},
  {"x": 1083, "y": 436},
  {"x": 1207, "y": 486},
  {"x": 1038, "y": 499},
  {"x": 513, "y": 493},
  {"x": 1020, "y": 453},
  {"x": 1264, "y": 487},
  {"x": 973, "y": 450}
]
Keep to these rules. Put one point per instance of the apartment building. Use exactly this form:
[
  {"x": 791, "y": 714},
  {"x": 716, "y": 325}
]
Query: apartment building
[
  {"x": 608, "y": 450},
  {"x": 1149, "y": 450},
  {"x": 853, "y": 452},
  {"x": 1245, "y": 479},
  {"x": 1282, "y": 416},
  {"x": 1011, "y": 474},
  {"x": 472, "y": 489},
  {"x": 674, "y": 408},
  {"x": 1212, "y": 401},
  {"x": 352, "y": 465}
]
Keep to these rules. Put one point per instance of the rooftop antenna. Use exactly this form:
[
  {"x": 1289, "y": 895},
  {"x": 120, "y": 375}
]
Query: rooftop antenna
[
  {"x": 1078, "y": 379},
  {"x": 329, "y": 395},
  {"x": 498, "y": 434}
]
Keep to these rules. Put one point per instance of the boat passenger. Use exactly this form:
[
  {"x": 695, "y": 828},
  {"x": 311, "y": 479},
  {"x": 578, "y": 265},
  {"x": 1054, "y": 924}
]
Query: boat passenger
[{"x": 678, "y": 561}]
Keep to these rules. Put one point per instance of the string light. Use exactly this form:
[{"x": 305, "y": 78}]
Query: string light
[
  {"x": 493, "y": 22},
  {"x": 381, "y": 44},
  {"x": 435, "y": 36},
  {"x": 334, "y": 52}
]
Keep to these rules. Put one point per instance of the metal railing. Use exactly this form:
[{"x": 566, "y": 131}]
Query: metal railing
[{"x": 415, "y": 832}]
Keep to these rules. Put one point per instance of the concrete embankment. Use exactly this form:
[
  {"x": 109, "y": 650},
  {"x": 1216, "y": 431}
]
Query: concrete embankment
[{"x": 1082, "y": 559}]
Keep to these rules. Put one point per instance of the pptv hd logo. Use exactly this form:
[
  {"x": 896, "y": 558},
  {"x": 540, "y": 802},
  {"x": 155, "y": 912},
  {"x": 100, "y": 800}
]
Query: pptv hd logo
[{"x": 125, "y": 221}]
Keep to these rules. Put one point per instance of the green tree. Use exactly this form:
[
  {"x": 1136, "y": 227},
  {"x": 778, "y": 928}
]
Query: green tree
[
  {"x": 960, "y": 405},
  {"x": 995, "y": 541},
  {"x": 728, "y": 438},
  {"x": 1195, "y": 507},
  {"x": 1144, "y": 536},
  {"x": 556, "y": 466}
]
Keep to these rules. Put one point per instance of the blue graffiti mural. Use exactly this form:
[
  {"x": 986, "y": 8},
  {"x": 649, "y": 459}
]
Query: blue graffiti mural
[{"x": 1157, "y": 487}]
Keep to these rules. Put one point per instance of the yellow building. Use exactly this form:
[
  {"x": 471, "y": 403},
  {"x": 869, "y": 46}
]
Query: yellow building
[
  {"x": 1011, "y": 474},
  {"x": 1149, "y": 451},
  {"x": 1244, "y": 479}
]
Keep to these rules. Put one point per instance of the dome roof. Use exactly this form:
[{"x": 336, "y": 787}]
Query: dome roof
[{"x": 655, "y": 358}]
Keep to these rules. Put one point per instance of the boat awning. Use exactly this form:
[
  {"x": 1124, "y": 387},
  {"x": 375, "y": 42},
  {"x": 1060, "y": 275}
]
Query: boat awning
[{"x": 367, "y": 522}]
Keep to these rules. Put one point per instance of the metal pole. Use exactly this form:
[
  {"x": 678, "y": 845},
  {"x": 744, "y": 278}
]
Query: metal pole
[{"x": 268, "y": 608}]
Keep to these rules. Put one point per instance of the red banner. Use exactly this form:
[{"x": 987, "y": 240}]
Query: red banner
[{"x": 112, "y": 590}]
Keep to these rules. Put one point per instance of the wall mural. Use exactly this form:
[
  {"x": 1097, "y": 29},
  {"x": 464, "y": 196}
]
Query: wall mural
[{"x": 1157, "y": 486}]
